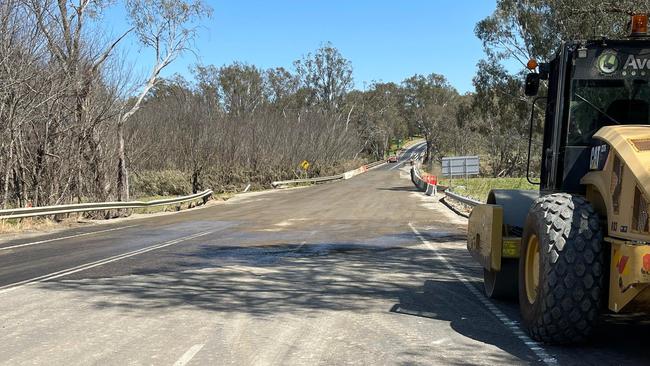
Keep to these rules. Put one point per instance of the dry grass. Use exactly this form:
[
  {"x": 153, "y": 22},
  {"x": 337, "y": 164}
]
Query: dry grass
[
  {"x": 34, "y": 224},
  {"x": 178, "y": 207}
]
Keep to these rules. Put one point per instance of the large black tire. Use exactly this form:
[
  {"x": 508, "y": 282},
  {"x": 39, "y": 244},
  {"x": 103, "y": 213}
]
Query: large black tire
[
  {"x": 502, "y": 285},
  {"x": 564, "y": 306}
]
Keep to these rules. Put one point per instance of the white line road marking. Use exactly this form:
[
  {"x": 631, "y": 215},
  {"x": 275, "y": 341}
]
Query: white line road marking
[
  {"x": 535, "y": 347},
  {"x": 83, "y": 267},
  {"x": 66, "y": 237},
  {"x": 187, "y": 356},
  {"x": 398, "y": 165},
  {"x": 411, "y": 155}
]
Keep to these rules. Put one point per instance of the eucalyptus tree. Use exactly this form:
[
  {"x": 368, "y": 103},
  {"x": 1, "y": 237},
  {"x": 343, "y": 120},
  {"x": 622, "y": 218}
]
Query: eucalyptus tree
[
  {"x": 430, "y": 102},
  {"x": 166, "y": 27},
  {"x": 327, "y": 75},
  {"x": 377, "y": 116},
  {"x": 242, "y": 88},
  {"x": 282, "y": 85},
  {"x": 501, "y": 114},
  {"x": 521, "y": 29}
]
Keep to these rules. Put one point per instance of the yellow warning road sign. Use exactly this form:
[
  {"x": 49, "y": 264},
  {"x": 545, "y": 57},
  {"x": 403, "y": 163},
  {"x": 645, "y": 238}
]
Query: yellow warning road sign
[{"x": 305, "y": 165}]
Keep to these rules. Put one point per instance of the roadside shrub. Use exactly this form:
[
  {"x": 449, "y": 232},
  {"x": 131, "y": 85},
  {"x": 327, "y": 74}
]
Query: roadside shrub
[{"x": 160, "y": 183}]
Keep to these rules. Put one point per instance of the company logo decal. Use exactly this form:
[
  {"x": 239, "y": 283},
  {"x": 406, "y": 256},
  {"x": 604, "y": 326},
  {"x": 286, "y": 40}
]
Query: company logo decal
[
  {"x": 608, "y": 62},
  {"x": 636, "y": 63}
]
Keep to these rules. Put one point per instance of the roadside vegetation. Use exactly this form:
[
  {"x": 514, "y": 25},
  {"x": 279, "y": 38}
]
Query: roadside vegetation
[
  {"x": 479, "y": 188},
  {"x": 76, "y": 124}
]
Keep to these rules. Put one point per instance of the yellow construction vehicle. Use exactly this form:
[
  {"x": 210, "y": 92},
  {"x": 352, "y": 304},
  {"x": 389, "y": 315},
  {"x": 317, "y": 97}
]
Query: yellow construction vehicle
[{"x": 579, "y": 246}]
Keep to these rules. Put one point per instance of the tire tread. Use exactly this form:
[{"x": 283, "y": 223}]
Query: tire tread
[{"x": 572, "y": 293}]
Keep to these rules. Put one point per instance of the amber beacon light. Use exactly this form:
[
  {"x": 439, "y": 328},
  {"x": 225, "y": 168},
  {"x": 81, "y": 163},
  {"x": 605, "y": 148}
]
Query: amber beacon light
[{"x": 639, "y": 25}]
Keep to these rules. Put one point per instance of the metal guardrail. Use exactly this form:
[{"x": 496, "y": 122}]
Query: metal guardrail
[
  {"x": 17, "y": 213},
  {"x": 465, "y": 200},
  {"x": 423, "y": 186},
  {"x": 324, "y": 179},
  {"x": 307, "y": 180},
  {"x": 329, "y": 178}
]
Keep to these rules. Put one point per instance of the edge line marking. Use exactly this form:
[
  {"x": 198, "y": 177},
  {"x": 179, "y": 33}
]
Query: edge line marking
[
  {"x": 83, "y": 267},
  {"x": 513, "y": 326}
]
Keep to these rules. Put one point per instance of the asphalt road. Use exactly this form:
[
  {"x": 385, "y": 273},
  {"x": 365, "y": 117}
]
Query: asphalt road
[{"x": 365, "y": 271}]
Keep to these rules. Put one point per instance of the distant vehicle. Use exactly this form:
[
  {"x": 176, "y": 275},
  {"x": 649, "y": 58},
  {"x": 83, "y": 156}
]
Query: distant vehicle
[{"x": 392, "y": 159}]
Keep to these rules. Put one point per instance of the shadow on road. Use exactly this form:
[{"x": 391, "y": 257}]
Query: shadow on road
[
  {"x": 299, "y": 279},
  {"x": 266, "y": 280},
  {"x": 305, "y": 279},
  {"x": 449, "y": 300}
]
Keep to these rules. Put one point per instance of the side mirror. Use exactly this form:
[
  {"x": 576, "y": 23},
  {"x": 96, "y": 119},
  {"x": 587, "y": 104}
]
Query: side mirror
[{"x": 532, "y": 84}]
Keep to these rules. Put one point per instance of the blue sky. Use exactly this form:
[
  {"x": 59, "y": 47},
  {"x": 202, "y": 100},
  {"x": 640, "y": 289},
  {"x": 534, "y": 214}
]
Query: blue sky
[{"x": 384, "y": 40}]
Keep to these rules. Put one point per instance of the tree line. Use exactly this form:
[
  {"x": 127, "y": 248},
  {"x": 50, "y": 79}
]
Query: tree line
[
  {"x": 64, "y": 93},
  {"x": 236, "y": 124},
  {"x": 76, "y": 125},
  {"x": 519, "y": 30}
]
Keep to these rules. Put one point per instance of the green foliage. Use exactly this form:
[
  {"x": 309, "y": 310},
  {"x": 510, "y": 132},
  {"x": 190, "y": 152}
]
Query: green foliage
[
  {"x": 281, "y": 85},
  {"x": 327, "y": 75},
  {"x": 430, "y": 102},
  {"x": 165, "y": 22},
  {"x": 501, "y": 116},
  {"x": 521, "y": 29},
  {"x": 242, "y": 88},
  {"x": 378, "y": 116}
]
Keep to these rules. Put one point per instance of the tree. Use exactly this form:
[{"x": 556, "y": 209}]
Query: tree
[
  {"x": 167, "y": 27},
  {"x": 242, "y": 88},
  {"x": 327, "y": 75},
  {"x": 281, "y": 86},
  {"x": 378, "y": 116},
  {"x": 430, "y": 102},
  {"x": 207, "y": 79},
  {"x": 502, "y": 118},
  {"x": 523, "y": 29},
  {"x": 63, "y": 25}
]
